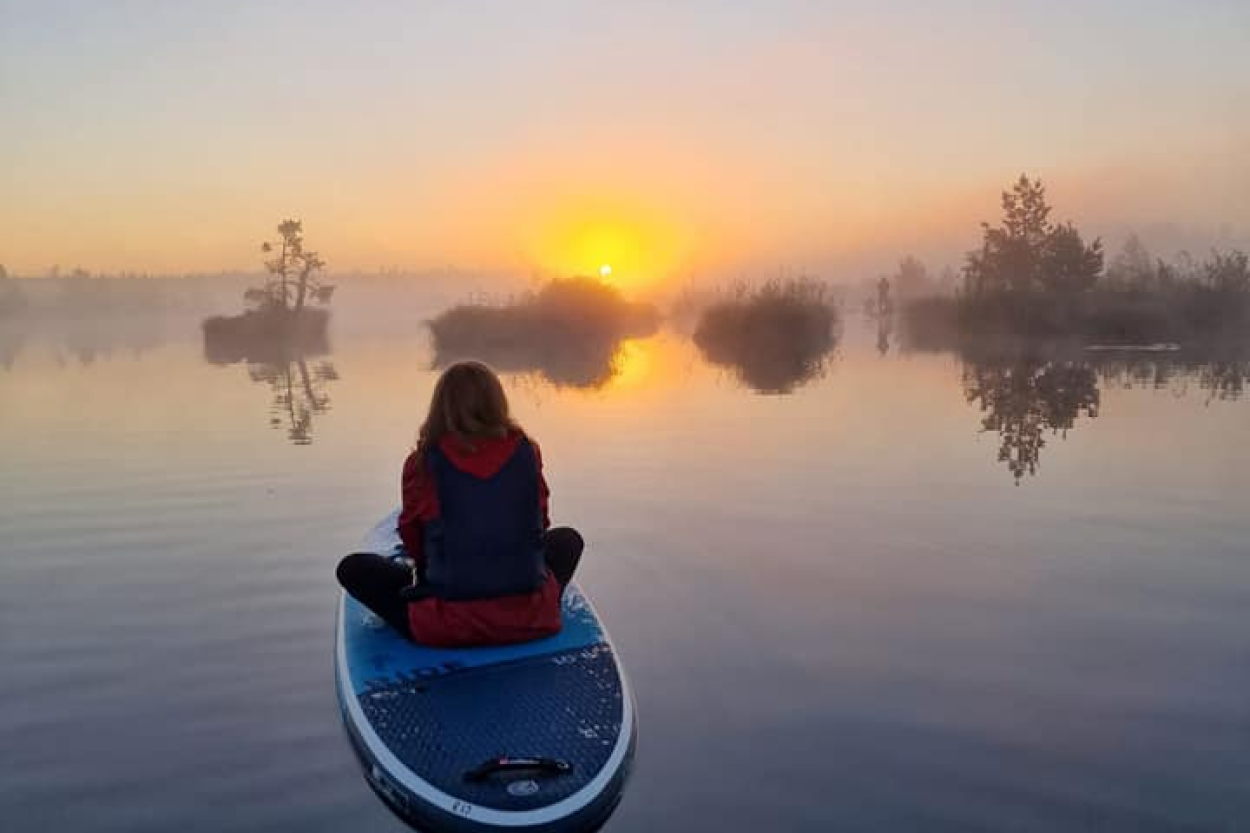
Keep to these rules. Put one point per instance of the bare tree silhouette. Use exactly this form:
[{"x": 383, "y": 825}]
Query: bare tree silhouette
[{"x": 281, "y": 313}]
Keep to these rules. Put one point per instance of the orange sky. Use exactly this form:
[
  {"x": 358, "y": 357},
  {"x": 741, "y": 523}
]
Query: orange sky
[{"x": 554, "y": 138}]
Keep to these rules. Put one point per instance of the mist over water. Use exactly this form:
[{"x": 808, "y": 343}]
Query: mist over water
[
  {"x": 908, "y": 428},
  {"x": 943, "y": 590}
]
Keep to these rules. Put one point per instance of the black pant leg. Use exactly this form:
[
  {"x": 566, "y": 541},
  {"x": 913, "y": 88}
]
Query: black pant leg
[
  {"x": 375, "y": 582},
  {"x": 562, "y": 547}
]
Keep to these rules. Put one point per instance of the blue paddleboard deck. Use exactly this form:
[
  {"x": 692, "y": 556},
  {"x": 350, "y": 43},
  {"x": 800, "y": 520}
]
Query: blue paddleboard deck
[{"x": 431, "y": 725}]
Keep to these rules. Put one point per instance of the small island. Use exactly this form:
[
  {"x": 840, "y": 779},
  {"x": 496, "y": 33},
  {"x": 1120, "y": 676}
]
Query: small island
[
  {"x": 1032, "y": 277},
  {"x": 775, "y": 337},
  {"x": 568, "y": 331},
  {"x": 283, "y": 320}
]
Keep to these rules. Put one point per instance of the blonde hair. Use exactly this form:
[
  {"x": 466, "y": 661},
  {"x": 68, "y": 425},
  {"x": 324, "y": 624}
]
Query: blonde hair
[{"x": 468, "y": 402}]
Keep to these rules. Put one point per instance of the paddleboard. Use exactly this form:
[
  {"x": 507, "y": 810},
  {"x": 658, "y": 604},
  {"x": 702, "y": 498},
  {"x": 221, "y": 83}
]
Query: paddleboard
[{"x": 532, "y": 737}]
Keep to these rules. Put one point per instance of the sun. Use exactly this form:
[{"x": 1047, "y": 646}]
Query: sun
[{"x": 627, "y": 247}]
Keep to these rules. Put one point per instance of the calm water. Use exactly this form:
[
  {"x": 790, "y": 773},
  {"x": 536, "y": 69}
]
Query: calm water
[{"x": 916, "y": 593}]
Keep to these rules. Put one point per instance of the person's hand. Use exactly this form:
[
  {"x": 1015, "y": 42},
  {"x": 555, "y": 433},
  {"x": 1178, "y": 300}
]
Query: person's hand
[{"x": 412, "y": 592}]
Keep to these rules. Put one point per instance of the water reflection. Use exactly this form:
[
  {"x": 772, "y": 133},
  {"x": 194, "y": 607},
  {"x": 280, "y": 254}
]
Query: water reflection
[
  {"x": 775, "y": 338},
  {"x": 771, "y": 362},
  {"x": 84, "y": 341},
  {"x": 1220, "y": 374},
  {"x": 569, "y": 332},
  {"x": 885, "y": 329},
  {"x": 1025, "y": 395},
  {"x": 869, "y": 515},
  {"x": 1025, "y": 399},
  {"x": 298, "y": 394},
  {"x": 563, "y": 358},
  {"x": 10, "y": 345},
  {"x": 297, "y": 383}
]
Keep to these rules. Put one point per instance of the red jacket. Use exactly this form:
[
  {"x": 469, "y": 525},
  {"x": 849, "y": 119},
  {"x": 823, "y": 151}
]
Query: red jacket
[{"x": 480, "y": 621}]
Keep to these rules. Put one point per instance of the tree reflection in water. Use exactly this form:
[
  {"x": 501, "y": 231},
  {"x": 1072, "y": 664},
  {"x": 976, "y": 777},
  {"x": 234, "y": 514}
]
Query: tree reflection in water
[
  {"x": 568, "y": 332},
  {"x": 1023, "y": 396},
  {"x": 10, "y": 345},
  {"x": 885, "y": 329},
  {"x": 1224, "y": 379},
  {"x": 82, "y": 342},
  {"x": 298, "y": 394},
  {"x": 775, "y": 338},
  {"x": 1024, "y": 399},
  {"x": 1221, "y": 373},
  {"x": 298, "y": 385},
  {"x": 563, "y": 359}
]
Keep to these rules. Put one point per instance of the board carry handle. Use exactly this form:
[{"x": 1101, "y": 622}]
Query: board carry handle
[{"x": 549, "y": 766}]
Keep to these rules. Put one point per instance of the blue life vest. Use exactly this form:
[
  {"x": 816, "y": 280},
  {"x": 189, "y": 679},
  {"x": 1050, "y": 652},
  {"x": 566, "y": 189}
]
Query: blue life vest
[{"x": 487, "y": 540}]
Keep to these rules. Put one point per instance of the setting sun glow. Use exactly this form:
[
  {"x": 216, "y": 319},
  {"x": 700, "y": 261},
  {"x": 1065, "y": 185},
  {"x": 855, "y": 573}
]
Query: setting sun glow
[{"x": 626, "y": 246}]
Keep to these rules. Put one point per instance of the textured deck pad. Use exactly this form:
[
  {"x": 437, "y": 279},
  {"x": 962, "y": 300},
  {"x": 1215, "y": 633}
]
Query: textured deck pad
[{"x": 421, "y": 718}]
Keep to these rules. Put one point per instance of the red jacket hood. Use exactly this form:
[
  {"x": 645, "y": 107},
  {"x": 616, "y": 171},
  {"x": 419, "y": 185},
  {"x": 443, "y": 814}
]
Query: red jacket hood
[{"x": 481, "y": 457}]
